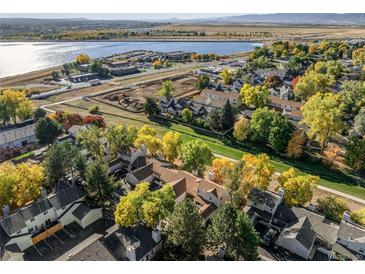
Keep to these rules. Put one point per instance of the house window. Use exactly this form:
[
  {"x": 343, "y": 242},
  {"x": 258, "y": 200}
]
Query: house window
[
  {"x": 30, "y": 230},
  {"x": 32, "y": 219},
  {"x": 19, "y": 232}
]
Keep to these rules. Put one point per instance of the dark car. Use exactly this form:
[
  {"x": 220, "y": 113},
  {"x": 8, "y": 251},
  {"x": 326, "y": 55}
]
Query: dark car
[{"x": 269, "y": 236}]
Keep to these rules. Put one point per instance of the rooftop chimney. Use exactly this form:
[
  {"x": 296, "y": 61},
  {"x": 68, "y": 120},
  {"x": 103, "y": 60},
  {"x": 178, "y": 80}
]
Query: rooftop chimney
[
  {"x": 346, "y": 216},
  {"x": 156, "y": 235},
  {"x": 6, "y": 210},
  {"x": 311, "y": 207},
  {"x": 43, "y": 193}
]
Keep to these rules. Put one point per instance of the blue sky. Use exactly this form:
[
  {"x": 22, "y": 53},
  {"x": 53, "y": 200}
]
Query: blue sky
[{"x": 113, "y": 16}]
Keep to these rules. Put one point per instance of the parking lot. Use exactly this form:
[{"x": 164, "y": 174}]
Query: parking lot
[{"x": 62, "y": 241}]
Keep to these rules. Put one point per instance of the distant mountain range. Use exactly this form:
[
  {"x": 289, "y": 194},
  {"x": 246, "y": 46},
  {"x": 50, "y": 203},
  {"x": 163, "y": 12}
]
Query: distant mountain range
[
  {"x": 357, "y": 19},
  {"x": 299, "y": 18}
]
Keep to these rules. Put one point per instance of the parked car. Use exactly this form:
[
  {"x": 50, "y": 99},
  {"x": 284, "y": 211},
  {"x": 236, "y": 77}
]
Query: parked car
[{"x": 269, "y": 236}]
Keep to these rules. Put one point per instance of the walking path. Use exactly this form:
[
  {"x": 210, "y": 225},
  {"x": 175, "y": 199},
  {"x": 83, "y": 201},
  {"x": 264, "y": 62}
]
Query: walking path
[{"x": 326, "y": 189}]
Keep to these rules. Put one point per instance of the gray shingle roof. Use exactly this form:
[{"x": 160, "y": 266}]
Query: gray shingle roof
[
  {"x": 16, "y": 220},
  {"x": 143, "y": 172},
  {"x": 81, "y": 211},
  {"x": 302, "y": 231},
  {"x": 66, "y": 197}
]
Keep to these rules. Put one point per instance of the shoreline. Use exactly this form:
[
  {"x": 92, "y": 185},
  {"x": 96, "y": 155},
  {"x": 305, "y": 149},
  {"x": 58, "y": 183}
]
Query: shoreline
[{"x": 142, "y": 40}]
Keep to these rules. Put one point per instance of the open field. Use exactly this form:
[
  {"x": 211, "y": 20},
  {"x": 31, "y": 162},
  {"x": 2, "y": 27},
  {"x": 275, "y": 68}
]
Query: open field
[
  {"x": 329, "y": 178},
  {"x": 276, "y": 32}
]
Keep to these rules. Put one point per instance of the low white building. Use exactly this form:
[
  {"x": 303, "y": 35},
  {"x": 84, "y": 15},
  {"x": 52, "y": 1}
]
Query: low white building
[
  {"x": 30, "y": 224},
  {"x": 17, "y": 135}
]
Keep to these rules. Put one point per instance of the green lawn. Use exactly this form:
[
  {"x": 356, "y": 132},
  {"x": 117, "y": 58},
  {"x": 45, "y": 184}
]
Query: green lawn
[{"x": 328, "y": 178}]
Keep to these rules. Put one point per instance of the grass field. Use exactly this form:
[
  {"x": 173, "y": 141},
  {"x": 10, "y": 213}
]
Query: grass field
[{"x": 328, "y": 177}]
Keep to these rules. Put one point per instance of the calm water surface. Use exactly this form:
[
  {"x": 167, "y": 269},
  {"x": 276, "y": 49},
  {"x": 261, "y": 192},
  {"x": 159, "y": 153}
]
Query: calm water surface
[{"x": 17, "y": 58}]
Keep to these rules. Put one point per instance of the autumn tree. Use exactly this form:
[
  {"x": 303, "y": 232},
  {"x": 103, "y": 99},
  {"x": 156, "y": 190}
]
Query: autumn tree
[
  {"x": 232, "y": 231},
  {"x": 295, "y": 145},
  {"x": 273, "y": 81},
  {"x": 332, "y": 67},
  {"x": 171, "y": 145},
  {"x": 358, "y": 216},
  {"x": 147, "y": 136},
  {"x": 242, "y": 129},
  {"x": 195, "y": 156},
  {"x": 91, "y": 139},
  {"x": 313, "y": 82},
  {"x": 185, "y": 232},
  {"x": 120, "y": 138},
  {"x": 332, "y": 207},
  {"x": 298, "y": 189},
  {"x": 322, "y": 113},
  {"x": 95, "y": 120},
  {"x": 226, "y": 76},
  {"x": 167, "y": 90},
  {"x": 256, "y": 172},
  {"x": 83, "y": 59},
  {"x": 98, "y": 184},
  {"x": 20, "y": 184},
  {"x": 47, "y": 130},
  {"x": 358, "y": 56},
  {"x": 257, "y": 96},
  {"x": 143, "y": 205},
  {"x": 220, "y": 167},
  {"x": 72, "y": 119},
  {"x": 14, "y": 104}
]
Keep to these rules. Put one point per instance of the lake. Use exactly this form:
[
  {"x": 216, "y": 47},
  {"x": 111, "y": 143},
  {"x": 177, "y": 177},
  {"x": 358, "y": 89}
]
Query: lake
[{"x": 17, "y": 58}]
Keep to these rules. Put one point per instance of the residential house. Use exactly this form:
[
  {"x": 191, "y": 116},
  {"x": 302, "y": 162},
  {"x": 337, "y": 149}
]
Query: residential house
[
  {"x": 215, "y": 99},
  {"x": 261, "y": 205},
  {"x": 350, "y": 244},
  {"x": 289, "y": 108},
  {"x": 141, "y": 174},
  {"x": 176, "y": 55},
  {"x": 17, "y": 135},
  {"x": 138, "y": 243},
  {"x": 172, "y": 106},
  {"x": 34, "y": 222},
  {"x": 205, "y": 193},
  {"x": 83, "y": 77}
]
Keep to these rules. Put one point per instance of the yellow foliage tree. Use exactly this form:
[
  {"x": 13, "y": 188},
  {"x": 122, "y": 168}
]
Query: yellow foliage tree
[
  {"x": 20, "y": 184},
  {"x": 153, "y": 144},
  {"x": 220, "y": 168},
  {"x": 14, "y": 104},
  {"x": 226, "y": 76},
  {"x": 358, "y": 56},
  {"x": 256, "y": 172},
  {"x": 25, "y": 110},
  {"x": 83, "y": 59},
  {"x": 358, "y": 216},
  {"x": 298, "y": 189},
  {"x": 171, "y": 145},
  {"x": 323, "y": 115},
  {"x": 257, "y": 96}
]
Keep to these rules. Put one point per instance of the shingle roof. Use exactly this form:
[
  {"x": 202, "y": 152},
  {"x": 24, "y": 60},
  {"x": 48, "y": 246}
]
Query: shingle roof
[
  {"x": 143, "y": 172},
  {"x": 96, "y": 251},
  {"x": 348, "y": 230},
  {"x": 179, "y": 186},
  {"x": 302, "y": 231},
  {"x": 81, "y": 211},
  {"x": 66, "y": 197},
  {"x": 16, "y": 220}
]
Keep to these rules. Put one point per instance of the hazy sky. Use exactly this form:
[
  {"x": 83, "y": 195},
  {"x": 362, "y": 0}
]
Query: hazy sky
[{"x": 135, "y": 16}]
